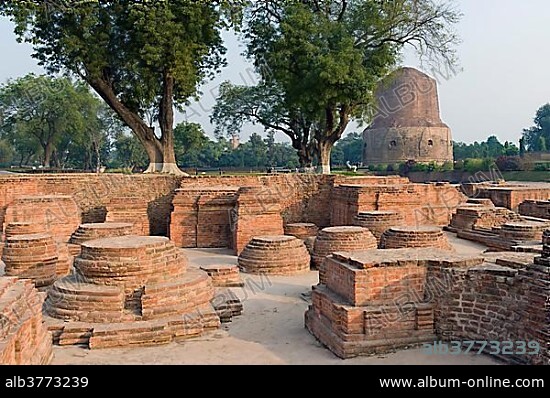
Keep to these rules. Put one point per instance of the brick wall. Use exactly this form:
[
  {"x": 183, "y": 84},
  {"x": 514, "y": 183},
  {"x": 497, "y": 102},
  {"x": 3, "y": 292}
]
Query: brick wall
[
  {"x": 93, "y": 192},
  {"x": 420, "y": 204}
]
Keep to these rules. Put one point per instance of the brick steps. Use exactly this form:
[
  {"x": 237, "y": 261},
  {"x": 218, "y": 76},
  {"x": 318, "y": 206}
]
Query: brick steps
[
  {"x": 130, "y": 291},
  {"x": 275, "y": 255}
]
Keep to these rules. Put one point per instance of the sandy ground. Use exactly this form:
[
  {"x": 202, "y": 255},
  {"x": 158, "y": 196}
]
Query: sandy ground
[{"x": 270, "y": 331}]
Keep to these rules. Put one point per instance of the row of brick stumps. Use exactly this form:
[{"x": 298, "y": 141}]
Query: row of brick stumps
[
  {"x": 24, "y": 339},
  {"x": 414, "y": 237},
  {"x": 87, "y": 232},
  {"x": 275, "y": 255},
  {"x": 335, "y": 239},
  {"x": 379, "y": 222},
  {"x": 130, "y": 291},
  {"x": 307, "y": 232}
]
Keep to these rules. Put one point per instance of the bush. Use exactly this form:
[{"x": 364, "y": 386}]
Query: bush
[{"x": 510, "y": 163}]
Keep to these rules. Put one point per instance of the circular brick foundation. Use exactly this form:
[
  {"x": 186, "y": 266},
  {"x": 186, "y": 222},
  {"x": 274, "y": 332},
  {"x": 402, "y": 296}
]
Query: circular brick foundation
[
  {"x": 139, "y": 287},
  {"x": 224, "y": 275},
  {"x": 31, "y": 257},
  {"x": 340, "y": 239},
  {"x": 379, "y": 222},
  {"x": 414, "y": 237},
  {"x": 87, "y": 232},
  {"x": 275, "y": 255},
  {"x": 57, "y": 215},
  {"x": 304, "y": 231},
  {"x": 23, "y": 228}
]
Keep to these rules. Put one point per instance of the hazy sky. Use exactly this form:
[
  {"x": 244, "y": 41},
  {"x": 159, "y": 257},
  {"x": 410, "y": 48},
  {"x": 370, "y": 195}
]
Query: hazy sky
[{"x": 504, "y": 56}]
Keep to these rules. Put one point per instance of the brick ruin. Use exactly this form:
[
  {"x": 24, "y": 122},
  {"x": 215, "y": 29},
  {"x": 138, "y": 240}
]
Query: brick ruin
[
  {"x": 414, "y": 237},
  {"x": 378, "y": 222},
  {"x": 150, "y": 297},
  {"x": 129, "y": 291},
  {"x": 24, "y": 339},
  {"x": 275, "y": 255},
  {"x": 535, "y": 208},
  {"x": 335, "y": 239}
]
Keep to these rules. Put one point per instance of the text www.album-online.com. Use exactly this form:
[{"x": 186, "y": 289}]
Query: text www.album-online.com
[{"x": 485, "y": 382}]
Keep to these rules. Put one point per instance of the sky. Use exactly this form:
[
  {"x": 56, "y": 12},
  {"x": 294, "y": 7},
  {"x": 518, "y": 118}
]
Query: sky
[{"x": 504, "y": 77}]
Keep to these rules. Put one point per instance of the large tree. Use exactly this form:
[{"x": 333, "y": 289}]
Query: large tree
[
  {"x": 143, "y": 58},
  {"x": 537, "y": 137},
  {"x": 48, "y": 113},
  {"x": 325, "y": 58},
  {"x": 263, "y": 104}
]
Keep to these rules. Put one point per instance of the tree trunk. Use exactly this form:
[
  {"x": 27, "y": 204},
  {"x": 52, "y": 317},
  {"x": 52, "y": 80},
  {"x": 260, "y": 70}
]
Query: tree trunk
[
  {"x": 324, "y": 151},
  {"x": 161, "y": 155},
  {"x": 166, "y": 122},
  {"x": 48, "y": 151}
]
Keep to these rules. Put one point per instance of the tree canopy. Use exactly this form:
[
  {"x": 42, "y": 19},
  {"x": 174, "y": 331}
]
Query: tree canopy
[
  {"x": 537, "y": 137},
  {"x": 324, "y": 59},
  {"x": 142, "y": 58},
  {"x": 53, "y": 119}
]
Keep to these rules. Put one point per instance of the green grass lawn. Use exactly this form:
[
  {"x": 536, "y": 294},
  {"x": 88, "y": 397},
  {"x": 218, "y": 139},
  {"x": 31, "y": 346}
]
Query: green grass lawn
[{"x": 536, "y": 176}]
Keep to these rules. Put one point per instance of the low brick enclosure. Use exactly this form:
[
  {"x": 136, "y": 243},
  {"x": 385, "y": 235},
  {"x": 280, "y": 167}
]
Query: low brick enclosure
[
  {"x": 24, "y": 339},
  {"x": 380, "y": 300},
  {"x": 508, "y": 195},
  {"x": 130, "y": 291}
]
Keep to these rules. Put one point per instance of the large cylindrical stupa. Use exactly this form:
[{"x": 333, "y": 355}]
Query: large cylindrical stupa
[{"x": 407, "y": 125}]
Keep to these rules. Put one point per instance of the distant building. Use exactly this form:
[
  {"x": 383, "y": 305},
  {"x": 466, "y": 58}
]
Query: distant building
[
  {"x": 235, "y": 142},
  {"x": 407, "y": 125}
]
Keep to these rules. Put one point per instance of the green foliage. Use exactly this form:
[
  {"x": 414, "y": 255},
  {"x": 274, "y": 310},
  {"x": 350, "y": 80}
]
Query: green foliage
[
  {"x": 54, "y": 120},
  {"x": 128, "y": 154},
  {"x": 510, "y": 163},
  {"x": 325, "y": 59},
  {"x": 537, "y": 137},
  {"x": 492, "y": 148},
  {"x": 143, "y": 58},
  {"x": 348, "y": 149},
  {"x": 475, "y": 165}
]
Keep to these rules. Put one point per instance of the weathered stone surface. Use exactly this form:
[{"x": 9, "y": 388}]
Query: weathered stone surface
[
  {"x": 307, "y": 232},
  {"x": 414, "y": 237},
  {"x": 275, "y": 255},
  {"x": 24, "y": 339},
  {"x": 408, "y": 125}
]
